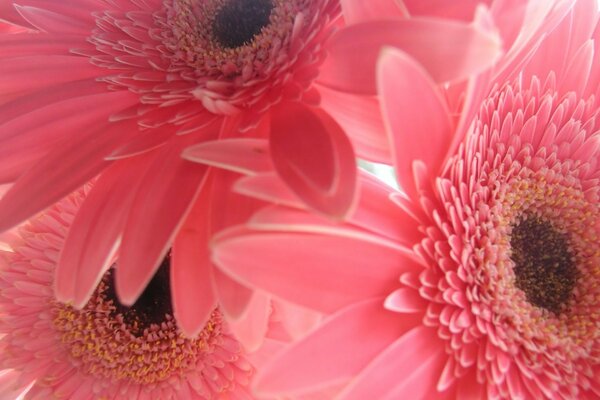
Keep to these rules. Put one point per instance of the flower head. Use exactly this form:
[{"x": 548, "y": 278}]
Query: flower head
[
  {"x": 480, "y": 281},
  {"x": 119, "y": 89},
  {"x": 105, "y": 349}
]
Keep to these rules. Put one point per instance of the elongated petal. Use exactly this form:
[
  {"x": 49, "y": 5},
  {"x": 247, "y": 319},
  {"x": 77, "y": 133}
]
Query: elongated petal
[
  {"x": 194, "y": 297},
  {"x": 395, "y": 368},
  {"x": 164, "y": 198},
  {"x": 322, "y": 272},
  {"x": 314, "y": 157},
  {"x": 416, "y": 115},
  {"x": 96, "y": 232},
  {"x": 63, "y": 170},
  {"x": 356, "y": 334},
  {"x": 448, "y": 50},
  {"x": 246, "y": 156}
]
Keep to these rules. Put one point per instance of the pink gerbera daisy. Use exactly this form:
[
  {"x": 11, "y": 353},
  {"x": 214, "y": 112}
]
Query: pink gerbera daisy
[
  {"x": 120, "y": 88},
  {"x": 104, "y": 350},
  {"x": 482, "y": 281}
]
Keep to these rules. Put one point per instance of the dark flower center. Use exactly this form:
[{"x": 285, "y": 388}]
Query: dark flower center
[
  {"x": 238, "y": 21},
  {"x": 544, "y": 268},
  {"x": 152, "y": 307}
]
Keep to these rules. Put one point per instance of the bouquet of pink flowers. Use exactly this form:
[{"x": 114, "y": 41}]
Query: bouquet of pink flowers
[{"x": 188, "y": 208}]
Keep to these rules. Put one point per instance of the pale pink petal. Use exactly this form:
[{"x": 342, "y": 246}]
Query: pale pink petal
[
  {"x": 314, "y": 157},
  {"x": 63, "y": 170},
  {"x": 246, "y": 156},
  {"x": 233, "y": 297},
  {"x": 150, "y": 226},
  {"x": 417, "y": 117},
  {"x": 396, "y": 370},
  {"x": 377, "y": 213},
  {"x": 322, "y": 272},
  {"x": 267, "y": 187},
  {"x": 250, "y": 329},
  {"x": 297, "y": 321},
  {"x": 94, "y": 236},
  {"x": 448, "y": 50},
  {"x": 194, "y": 298},
  {"x": 405, "y": 300},
  {"x": 361, "y": 118},
  {"x": 49, "y": 21},
  {"x": 356, "y": 11},
  {"x": 355, "y": 335},
  {"x": 576, "y": 76}
]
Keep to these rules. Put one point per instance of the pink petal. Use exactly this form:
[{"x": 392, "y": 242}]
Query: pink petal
[
  {"x": 49, "y": 21},
  {"x": 576, "y": 76},
  {"x": 234, "y": 298},
  {"x": 356, "y": 11},
  {"x": 21, "y": 74},
  {"x": 337, "y": 350},
  {"x": 164, "y": 198},
  {"x": 361, "y": 118},
  {"x": 246, "y": 156},
  {"x": 297, "y": 321},
  {"x": 267, "y": 187},
  {"x": 31, "y": 45},
  {"x": 251, "y": 328},
  {"x": 314, "y": 157},
  {"x": 350, "y": 265},
  {"x": 405, "y": 300},
  {"x": 32, "y": 133},
  {"x": 60, "y": 172},
  {"x": 377, "y": 213},
  {"x": 193, "y": 296},
  {"x": 416, "y": 115},
  {"x": 395, "y": 373},
  {"x": 462, "y": 10},
  {"x": 95, "y": 233},
  {"x": 449, "y": 51}
]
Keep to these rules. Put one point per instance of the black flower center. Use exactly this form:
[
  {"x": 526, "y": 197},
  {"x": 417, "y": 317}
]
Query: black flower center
[
  {"x": 544, "y": 267},
  {"x": 152, "y": 307},
  {"x": 238, "y": 21}
]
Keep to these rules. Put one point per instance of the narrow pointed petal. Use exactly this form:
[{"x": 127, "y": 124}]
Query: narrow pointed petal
[
  {"x": 246, "y": 156},
  {"x": 395, "y": 368},
  {"x": 63, "y": 170},
  {"x": 323, "y": 272},
  {"x": 417, "y": 117},
  {"x": 350, "y": 334},
  {"x": 94, "y": 236},
  {"x": 356, "y": 11},
  {"x": 151, "y": 226},
  {"x": 314, "y": 157},
  {"x": 448, "y": 50},
  {"x": 193, "y": 295}
]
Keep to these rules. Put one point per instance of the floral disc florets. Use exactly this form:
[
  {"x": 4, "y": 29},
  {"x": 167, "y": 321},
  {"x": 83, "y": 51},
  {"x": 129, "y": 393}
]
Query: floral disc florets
[{"x": 514, "y": 245}]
